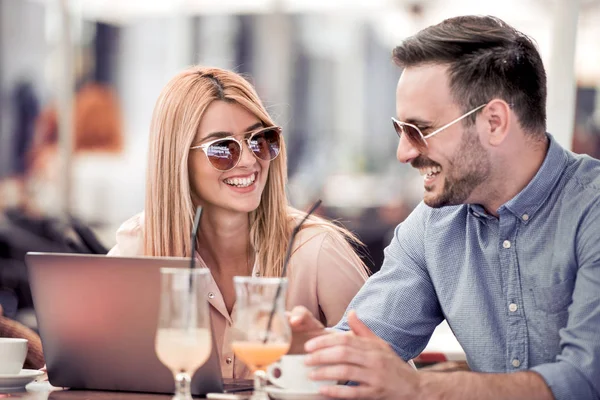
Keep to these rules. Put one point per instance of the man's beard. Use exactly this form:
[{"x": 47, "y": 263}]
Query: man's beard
[{"x": 467, "y": 169}]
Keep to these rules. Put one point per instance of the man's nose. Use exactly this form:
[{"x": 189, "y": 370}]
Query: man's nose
[{"x": 406, "y": 151}]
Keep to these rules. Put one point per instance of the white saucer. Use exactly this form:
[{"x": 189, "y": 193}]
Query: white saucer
[
  {"x": 18, "y": 381},
  {"x": 284, "y": 394}
]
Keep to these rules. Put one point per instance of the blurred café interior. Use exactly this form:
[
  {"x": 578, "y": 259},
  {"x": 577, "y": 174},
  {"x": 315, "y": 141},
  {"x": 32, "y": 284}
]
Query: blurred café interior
[{"x": 79, "y": 79}]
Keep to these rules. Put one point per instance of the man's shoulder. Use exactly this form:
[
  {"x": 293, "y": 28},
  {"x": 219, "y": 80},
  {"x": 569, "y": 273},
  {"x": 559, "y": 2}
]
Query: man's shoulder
[
  {"x": 425, "y": 220},
  {"x": 440, "y": 215},
  {"x": 583, "y": 171}
]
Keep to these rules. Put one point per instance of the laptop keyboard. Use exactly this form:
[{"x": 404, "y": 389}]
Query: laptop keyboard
[{"x": 237, "y": 385}]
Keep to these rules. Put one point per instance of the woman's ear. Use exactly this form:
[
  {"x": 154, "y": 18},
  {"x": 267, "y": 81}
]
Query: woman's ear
[{"x": 496, "y": 119}]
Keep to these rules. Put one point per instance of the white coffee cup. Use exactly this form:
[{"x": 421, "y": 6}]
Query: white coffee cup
[
  {"x": 12, "y": 355},
  {"x": 291, "y": 373}
]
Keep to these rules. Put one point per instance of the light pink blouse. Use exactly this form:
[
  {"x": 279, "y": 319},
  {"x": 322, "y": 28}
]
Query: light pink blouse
[{"x": 324, "y": 274}]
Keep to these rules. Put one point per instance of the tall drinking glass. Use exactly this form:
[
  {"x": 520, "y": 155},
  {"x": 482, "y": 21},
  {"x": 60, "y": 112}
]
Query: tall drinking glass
[
  {"x": 183, "y": 340},
  {"x": 252, "y": 344}
]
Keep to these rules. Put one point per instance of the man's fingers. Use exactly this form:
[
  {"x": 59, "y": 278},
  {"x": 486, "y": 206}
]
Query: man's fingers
[
  {"x": 358, "y": 327},
  {"x": 341, "y": 372},
  {"x": 337, "y": 355},
  {"x": 341, "y": 339},
  {"x": 347, "y": 392}
]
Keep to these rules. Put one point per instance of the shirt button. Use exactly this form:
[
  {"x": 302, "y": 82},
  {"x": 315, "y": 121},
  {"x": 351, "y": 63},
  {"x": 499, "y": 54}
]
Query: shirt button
[
  {"x": 211, "y": 295},
  {"x": 516, "y": 363},
  {"x": 257, "y": 274},
  {"x": 228, "y": 360},
  {"x": 506, "y": 244},
  {"x": 525, "y": 217},
  {"x": 513, "y": 307}
]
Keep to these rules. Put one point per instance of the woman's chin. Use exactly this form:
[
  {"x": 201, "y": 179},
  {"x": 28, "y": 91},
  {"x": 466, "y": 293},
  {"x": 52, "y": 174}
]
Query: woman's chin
[{"x": 245, "y": 206}]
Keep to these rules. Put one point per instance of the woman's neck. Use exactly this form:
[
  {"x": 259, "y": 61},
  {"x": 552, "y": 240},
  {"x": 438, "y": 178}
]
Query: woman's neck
[{"x": 224, "y": 243}]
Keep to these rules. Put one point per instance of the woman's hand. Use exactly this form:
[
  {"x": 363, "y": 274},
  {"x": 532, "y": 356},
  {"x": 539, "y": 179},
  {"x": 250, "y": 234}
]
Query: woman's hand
[{"x": 304, "y": 327}]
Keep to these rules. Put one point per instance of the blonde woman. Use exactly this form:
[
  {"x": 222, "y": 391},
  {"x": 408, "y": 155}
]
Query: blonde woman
[{"x": 213, "y": 144}]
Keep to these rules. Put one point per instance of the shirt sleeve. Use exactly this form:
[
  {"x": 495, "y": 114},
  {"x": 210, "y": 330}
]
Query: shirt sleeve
[
  {"x": 340, "y": 275},
  {"x": 130, "y": 238},
  {"x": 576, "y": 372},
  {"x": 399, "y": 303}
]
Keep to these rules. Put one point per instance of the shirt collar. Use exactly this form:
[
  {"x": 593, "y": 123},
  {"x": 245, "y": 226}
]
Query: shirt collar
[
  {"x": 479, "y": 212},
  {"x": 215, "y": 297},
  {"x": 528, "y": 201}
]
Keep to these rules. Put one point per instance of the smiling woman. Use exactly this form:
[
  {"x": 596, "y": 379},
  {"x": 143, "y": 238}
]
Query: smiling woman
[{"x": 213, "y": 144}]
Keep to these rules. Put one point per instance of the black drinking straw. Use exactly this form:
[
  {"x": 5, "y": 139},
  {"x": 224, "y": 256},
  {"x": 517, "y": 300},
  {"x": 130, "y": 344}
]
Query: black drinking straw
[
  {"x": 193, "y": 242},
  {"x": 285, "y": 264}
]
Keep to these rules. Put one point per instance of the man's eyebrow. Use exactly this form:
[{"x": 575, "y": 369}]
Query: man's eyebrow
[
  {"x": 222, "y": 134},
  {"x": 418, "y": 122}
]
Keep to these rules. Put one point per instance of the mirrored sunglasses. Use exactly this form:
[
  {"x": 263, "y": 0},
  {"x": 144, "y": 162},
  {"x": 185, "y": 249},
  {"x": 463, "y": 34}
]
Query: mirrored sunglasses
[{"x": 225, "y": 153}]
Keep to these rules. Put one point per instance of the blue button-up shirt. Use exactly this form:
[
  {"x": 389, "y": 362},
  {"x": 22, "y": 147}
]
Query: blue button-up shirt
[{"x": 520, "y": 291}]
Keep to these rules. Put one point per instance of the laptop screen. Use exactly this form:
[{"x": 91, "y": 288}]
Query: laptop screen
[{"x": 97, "y": 318}]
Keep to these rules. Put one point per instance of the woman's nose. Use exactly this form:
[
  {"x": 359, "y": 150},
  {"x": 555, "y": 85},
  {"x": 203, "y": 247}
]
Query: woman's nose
[{"x": 248, "y": 158}]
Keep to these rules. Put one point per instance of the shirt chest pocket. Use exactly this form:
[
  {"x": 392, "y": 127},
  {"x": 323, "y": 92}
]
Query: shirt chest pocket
[{"x": 555, "y": 298}]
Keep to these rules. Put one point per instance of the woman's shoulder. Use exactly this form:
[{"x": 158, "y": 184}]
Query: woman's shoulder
[
  {"x": 316, "y": 228},
  {"x": 312, "y": 237},
  {"x": 323, "y": 249},
  {"x": 130, "y": 237},
  {"x": 133, "y": 226}
]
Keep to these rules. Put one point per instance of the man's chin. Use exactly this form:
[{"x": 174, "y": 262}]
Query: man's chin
[
  {"x": 436, "y": 200},
  {"x": 433, "y": 203},
  {"x": 432, "y": 197}
]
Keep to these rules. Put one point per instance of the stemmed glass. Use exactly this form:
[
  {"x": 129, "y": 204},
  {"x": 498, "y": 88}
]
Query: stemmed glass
[
  {"x": 252, "y": 343},
  {"x": 183, "y": 336}
]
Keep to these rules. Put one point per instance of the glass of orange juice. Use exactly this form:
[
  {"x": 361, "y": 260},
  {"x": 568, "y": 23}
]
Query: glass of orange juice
[
  {"x": 253, "y": 343},
  {"x": 183, "y": 340}
]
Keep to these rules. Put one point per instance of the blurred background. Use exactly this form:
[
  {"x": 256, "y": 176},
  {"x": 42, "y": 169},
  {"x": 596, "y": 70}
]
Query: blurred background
[{"x": 79, "y": 78}]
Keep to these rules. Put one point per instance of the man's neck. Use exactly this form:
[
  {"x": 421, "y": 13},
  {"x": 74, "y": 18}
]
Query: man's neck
[{"x": 513, "y": 174}]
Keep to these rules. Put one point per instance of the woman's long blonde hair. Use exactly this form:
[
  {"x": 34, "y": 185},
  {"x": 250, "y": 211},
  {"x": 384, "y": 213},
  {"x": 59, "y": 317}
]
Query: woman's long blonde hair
[{"x": 169, "y": 210}]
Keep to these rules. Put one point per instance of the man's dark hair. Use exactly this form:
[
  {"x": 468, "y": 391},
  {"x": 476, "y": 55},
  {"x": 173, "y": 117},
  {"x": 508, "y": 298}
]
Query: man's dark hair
[{"x": 487, "y": 59}]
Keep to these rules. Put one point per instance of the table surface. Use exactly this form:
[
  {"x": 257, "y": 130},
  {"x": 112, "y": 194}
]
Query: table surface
[
  {"x": 44, "y": 391},
  {"x": 442, "y": 341}
]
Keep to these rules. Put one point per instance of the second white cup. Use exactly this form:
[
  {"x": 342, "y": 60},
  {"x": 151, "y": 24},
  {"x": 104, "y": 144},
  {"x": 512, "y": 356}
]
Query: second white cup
[
  {"x": 12, "y": 355},
  {"x": 291, "y": 374}
]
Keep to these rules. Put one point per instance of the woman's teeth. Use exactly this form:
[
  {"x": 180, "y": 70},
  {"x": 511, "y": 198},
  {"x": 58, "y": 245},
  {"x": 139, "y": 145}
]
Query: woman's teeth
[
  {"x": 241, "y": 182},
  {"x": 430, "y": 171}
]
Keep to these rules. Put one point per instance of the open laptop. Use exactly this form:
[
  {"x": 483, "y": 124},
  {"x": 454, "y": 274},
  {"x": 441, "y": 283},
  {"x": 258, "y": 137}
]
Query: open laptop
[{"x": 97, "y": 319}]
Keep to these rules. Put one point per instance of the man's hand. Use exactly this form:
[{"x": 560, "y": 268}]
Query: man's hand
[
  {"x": 360, "y": 356},
  {"x": 304, "y": 327}
]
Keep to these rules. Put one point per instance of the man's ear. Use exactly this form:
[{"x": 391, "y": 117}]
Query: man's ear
[{"x": 495, "y": 118}]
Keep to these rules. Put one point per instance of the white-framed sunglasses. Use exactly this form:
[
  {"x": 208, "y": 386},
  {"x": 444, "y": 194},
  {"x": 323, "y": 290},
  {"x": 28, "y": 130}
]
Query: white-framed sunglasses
[
  {"x": 414, "y": 134},
  {"x": 225, "y": 153}
]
